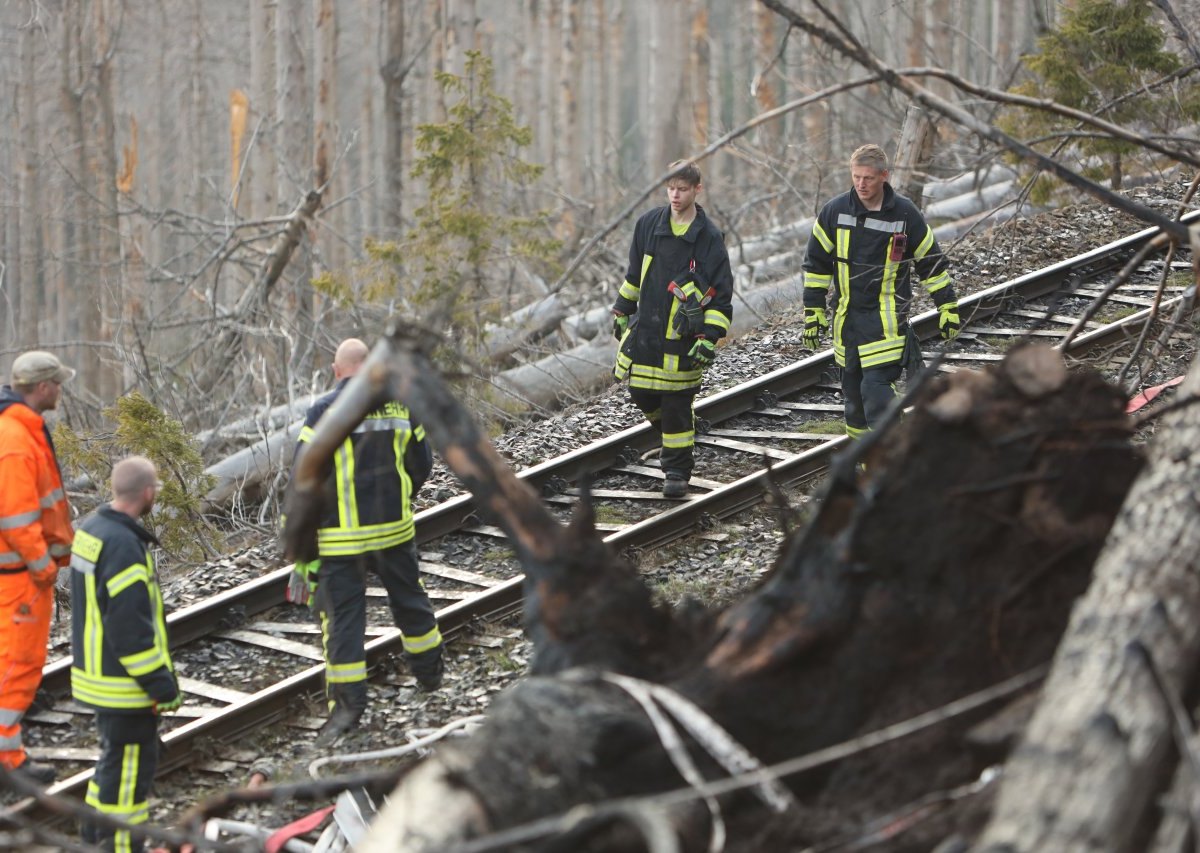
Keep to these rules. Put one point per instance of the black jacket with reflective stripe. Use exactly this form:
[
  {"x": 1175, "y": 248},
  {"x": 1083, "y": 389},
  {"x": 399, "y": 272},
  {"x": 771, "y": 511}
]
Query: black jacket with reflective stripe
[
  {"x": 850, "y": 248},
  {"x": 656, "y": 258},
  {"x": 377, "y": 472},
  {"x": 121, "y": 658}
]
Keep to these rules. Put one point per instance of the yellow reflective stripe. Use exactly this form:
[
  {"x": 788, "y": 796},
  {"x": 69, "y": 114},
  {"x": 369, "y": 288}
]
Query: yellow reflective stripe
[
  {"x": 418, "y": 433},
  {"x": 306, "y": 433},
  {"x": 106, "y": 691},
  {"x": 423, "y": 643},
  {"x": 843, "y": 282},
  {"x": 121, "y": 581},
  {"x": 141, "y": 663},
  {"x": 817, "y": 281},
  {"x": 713, "y": 317},
  {"x": 346, "y": 673},
  {"x": 369, "y": 531},
  {"x": 839, "y": 353},
  {"x": 673, "y": 440},
  {"x": 887, "y": 294},
  {"x": 926, "y": 244},
  {"x": 21, "y": 519},
  {"x": 822, "y": 238},
  {"x": 93, "y": 631},
  {"x": 881, "y": 352},
  {"x": 629, "y": 291},
  {"x": 646, "y": 259},
  {"x": 937, "y": 282},
  {"x": 855, "y": 432},
  {"x": 344, "y": 470}
]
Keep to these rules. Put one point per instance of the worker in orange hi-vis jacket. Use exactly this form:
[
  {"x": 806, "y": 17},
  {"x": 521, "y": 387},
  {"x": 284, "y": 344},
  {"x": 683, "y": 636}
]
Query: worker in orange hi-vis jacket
[{"x": 35, "y": 540}]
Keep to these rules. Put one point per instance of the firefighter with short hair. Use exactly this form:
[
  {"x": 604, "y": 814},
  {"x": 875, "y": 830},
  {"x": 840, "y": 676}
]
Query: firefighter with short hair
[
  {"x": 867, "y": 243},
  {"x": 121, "y": 663},
  {"x": 377, "y": 471},
  {"x": 35, "y": 541},
  {"x": 675, "y": 303}
]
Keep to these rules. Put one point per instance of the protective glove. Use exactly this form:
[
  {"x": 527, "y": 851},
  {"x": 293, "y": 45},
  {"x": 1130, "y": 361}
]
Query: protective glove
[
  {"x": 815, "y": 322},
  {"x": 948, "y": 324},
  {"x": 703, "y": 351},
  {"x": 45, "y": 578},
  {"x": 620, "y": 324},
  {"x": 161, "y": 708},
  {"x": 302, "y": 583}
]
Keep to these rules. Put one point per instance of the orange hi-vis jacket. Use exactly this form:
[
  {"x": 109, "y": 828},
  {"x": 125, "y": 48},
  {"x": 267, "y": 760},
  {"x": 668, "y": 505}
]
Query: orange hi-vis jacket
[{"x": 35, "y": 538}]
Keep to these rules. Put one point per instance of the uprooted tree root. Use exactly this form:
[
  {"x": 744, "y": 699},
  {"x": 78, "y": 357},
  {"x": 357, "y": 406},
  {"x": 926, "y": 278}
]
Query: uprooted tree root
[{"x": 949, "y": 565}]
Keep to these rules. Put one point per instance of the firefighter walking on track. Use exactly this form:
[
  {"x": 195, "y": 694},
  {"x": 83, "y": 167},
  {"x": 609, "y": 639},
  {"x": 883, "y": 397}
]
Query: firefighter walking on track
[
  {"x": 35, "y": 541},
  {"x": 121, "y": 661},
  {"x": 675, "y": 303},
  {"x": 868, "y": 242},
  {"x": 368, "y": 526}
]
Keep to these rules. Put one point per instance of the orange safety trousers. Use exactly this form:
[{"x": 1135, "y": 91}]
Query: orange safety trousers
[{"x": 25, "y": 611}]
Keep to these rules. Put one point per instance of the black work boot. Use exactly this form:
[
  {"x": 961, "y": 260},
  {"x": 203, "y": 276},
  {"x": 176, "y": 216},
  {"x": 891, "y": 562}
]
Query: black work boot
[
  {"x": 43, "y": 774},
  {"x": 676, "y": 486},
  {"x": 342, "y": 720},
  {"x": 428, "y": 675}
]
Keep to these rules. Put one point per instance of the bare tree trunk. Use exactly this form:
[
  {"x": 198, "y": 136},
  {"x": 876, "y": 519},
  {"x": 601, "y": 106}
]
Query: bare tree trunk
[
  {"x": 26, "y": 274},
  {"x": 570, "y": 149},
  {"x": 325, "y": 96},
  {"x": 1099, "y": 748},
  {"x": 113, "y": 298},
  {"x": 81, "y": 231},
  {"x": 766, "y": 97},
  {"x": 699, "y": 60},
  {"x": 261, "y": 182},
  {"x": 393, "y": 118}
]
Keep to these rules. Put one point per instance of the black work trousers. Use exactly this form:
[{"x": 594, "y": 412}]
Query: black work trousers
[
  {"x": 671, "y": 415},
  {"x": 120, "y": 786},
  {"x": 867, "y": 393},
  {"x": 341, "y": 605}
]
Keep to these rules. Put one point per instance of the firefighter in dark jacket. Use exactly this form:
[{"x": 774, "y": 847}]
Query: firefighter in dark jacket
[
  {"x": 121, "y": 664},
  {"x": 368, "y": 526},
  {"x": 675, "y": 304},
  {"x": 868, "y": 242}
]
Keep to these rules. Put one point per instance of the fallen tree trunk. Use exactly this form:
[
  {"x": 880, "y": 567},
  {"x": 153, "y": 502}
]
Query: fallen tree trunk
[
  {"x": 947, "y": 567},
  {"x": 1099, "y": 750}
]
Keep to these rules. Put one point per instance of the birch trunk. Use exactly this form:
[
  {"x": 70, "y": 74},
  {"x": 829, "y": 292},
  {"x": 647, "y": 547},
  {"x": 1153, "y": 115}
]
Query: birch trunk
[
  {"x": 260, "y": 182},
  {"x": 393, "y": 119}
]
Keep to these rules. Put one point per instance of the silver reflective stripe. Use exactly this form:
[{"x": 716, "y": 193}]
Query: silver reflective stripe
[
  {"x": 880, "y": 225},
  {"x": 9, "y": 717},
  {"x": 10, "y": 744},
  {"x": 10, "y": 557},
  {"x": 79, "y": 564},
  {"x": 40, "y": 563},
  {"x": 52, "y": 498},
  {"x": 20, "y": 519},
  {"x": 383, "y": 425},
  {"x": 59, "y": 550},
  {"x": 847, "y": 220}
]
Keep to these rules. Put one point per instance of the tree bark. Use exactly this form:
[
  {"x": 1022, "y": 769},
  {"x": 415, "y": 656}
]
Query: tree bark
[
  {"x": 1099, "y": 748},
  {"x": 28, "y": 312},
  {"x": 261, "y": 183}
]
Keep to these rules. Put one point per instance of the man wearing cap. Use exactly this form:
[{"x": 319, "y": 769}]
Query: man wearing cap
[{"x": 35, "y": 540}]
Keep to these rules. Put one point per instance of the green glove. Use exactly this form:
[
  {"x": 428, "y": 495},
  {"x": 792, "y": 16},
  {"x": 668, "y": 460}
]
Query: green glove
[
  {"x": 170, "y": 705},
  {"x": 948, "y": 323},
  {"x": 703, "y": 351},
  {"x": 620, "y": 325},
  {"x": 815, "y": 322},
  {"x": 302, "y": 583}
]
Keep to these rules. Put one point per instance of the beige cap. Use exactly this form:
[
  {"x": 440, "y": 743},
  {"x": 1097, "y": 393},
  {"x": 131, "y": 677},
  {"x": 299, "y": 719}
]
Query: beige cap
[{"x": 36, "y": 366}]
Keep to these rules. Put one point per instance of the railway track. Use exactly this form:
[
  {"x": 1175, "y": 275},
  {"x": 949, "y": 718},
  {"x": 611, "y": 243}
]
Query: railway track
[{"x": 790, "y": 416}]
